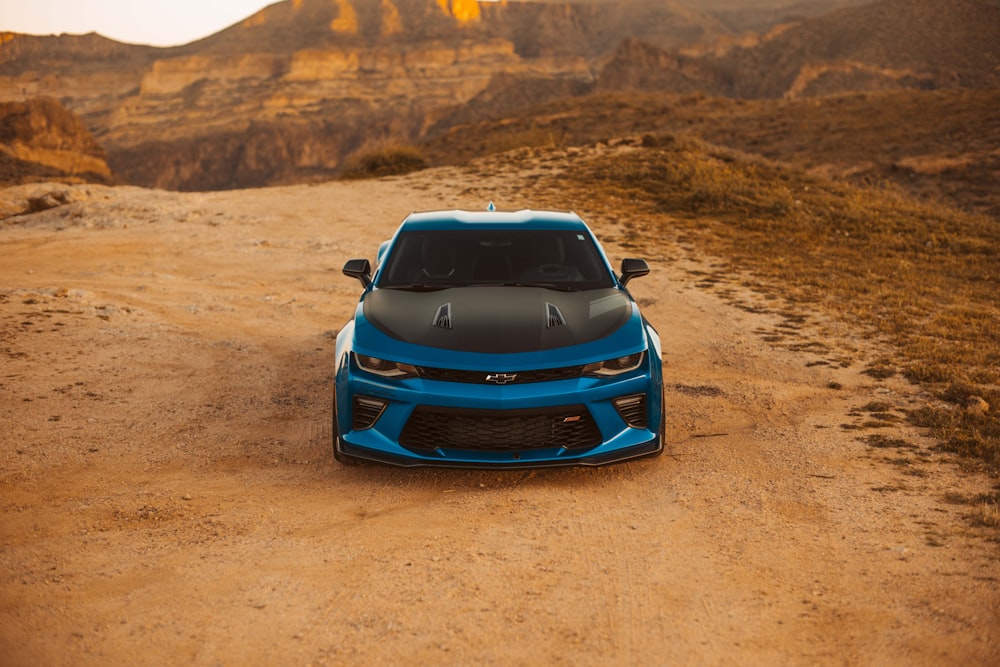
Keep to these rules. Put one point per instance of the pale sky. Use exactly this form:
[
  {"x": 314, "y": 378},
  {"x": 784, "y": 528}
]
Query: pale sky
[{"x": 157, "y": 22}]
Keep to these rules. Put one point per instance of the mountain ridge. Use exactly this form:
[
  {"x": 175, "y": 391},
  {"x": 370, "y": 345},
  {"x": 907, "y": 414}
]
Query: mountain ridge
[
  {"x": 289, "y": 93},
  {"x": 882, "y": 45},
  {"x": 311, "y": 81}
]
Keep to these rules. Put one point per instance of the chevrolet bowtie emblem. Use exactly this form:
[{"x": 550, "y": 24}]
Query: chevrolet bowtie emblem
[{"x": 501, "y": 378}]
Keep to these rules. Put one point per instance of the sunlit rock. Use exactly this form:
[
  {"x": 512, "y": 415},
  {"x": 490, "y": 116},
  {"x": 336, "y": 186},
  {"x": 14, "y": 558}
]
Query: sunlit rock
[{"x": 347, "y": 18}]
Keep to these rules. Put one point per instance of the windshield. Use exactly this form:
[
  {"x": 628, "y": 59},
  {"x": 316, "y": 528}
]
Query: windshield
[{"x": 438, "y": 259}]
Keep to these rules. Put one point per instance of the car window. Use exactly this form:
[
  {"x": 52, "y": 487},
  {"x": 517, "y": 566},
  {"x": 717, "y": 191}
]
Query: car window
[{"x": 453, "y": 258}]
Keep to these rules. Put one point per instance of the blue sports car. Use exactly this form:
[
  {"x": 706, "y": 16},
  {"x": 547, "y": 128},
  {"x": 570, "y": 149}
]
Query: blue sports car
[{"x": 496, "y": 340}]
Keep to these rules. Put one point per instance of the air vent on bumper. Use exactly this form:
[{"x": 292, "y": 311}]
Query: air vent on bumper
[
  {"x": 366, "y": 412},
  {"x": 632, "y": 410}
]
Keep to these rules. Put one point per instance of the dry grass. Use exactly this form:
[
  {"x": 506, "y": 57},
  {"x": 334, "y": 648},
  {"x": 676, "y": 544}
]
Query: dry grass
[
  {"x": 984, "y": 508},
  {"x": 941, "y": 144},
  {"x": 531, "y": 137},
  {"x": 919, "y": 276},
  {"x": 389, "y": 158}
]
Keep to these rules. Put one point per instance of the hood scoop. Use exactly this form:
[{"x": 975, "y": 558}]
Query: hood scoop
[
  {"x": 553, "y": 317},
  {"x": 442, "y": 319}
]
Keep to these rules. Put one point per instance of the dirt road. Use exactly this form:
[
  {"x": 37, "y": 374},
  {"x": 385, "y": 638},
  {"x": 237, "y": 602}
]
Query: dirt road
[{"x": 168, "y": 495}]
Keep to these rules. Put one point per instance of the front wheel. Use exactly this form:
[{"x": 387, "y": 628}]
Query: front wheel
[
  {"x": 339, "y": 456},
  {"x": 663, "y": 422}
]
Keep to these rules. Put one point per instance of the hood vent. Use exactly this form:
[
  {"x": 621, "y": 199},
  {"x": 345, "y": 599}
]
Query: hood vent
[
  {"x": 553, "y": 318},
  {"x": 443, "y": 318}
]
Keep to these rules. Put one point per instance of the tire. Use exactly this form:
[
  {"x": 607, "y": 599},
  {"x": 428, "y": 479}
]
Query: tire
[
  {"x": 663, "y": 424},
  {"x": 663, "y": 420},
  {"x": 339, "y": 456}
]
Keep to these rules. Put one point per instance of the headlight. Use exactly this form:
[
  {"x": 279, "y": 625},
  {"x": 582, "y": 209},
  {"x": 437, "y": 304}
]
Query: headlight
[
  {"x": 615, "y": 366},
  {"x": 385, "y": 368}
]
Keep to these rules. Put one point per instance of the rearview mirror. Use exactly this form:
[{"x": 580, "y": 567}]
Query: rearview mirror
[
  {"x": 633, "y": 268},
  {"x": 360, "y": 269}
]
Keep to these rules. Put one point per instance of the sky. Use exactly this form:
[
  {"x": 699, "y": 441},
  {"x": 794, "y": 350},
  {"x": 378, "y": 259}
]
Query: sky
[{"x": 156, "y": 22}]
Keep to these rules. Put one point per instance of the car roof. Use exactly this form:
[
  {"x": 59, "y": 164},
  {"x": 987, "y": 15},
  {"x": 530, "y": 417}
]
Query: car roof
[{"x": 524, "y": 219}]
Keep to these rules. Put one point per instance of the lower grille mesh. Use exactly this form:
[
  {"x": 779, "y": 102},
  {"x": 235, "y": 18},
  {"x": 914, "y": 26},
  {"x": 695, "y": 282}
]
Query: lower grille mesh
[{"x": 571, "y": 427}]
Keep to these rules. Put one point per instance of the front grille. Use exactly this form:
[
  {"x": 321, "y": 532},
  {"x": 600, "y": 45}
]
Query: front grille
[
  {"x": 479, "y": 377},
  {"x": 571, "y": 427}
]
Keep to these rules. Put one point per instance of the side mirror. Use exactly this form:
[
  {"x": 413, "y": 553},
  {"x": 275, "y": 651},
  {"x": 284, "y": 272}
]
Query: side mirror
[
  {"x": 633, "y": 268},
  {"x": 360, "y": 269}
]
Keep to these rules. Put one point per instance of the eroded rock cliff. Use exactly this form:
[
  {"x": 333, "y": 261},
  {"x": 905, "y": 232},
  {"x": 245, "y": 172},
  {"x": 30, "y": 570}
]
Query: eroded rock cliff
[
  {"x": 42, "y": 140},
  {"x": 885, "y": 45},
  {"x": 288, "y": 93}
]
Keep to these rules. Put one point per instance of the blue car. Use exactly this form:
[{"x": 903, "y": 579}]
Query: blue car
[{"x": 496, "y": 340}]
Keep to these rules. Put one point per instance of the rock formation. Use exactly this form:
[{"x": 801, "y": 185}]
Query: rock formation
[
  {"x": 890, "y": 44},
  {"x": 288, "y": 93},
  {"x": 41, "y": 140}
]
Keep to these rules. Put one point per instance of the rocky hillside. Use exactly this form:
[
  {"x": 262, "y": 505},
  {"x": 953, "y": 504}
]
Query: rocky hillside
[
  {"x": 287, "y": 94},
  {"x": 567, "y": 28},
  {"x": 292, "y": 92},
  {"x": 42, "y": 140},
  {"x": 759, "y": 16},
  {"x": 890, "y": 44},
  {"x": 935, "y": 144}
]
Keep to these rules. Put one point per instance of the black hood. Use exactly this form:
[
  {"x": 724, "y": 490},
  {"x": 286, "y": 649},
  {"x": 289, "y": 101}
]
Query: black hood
[{"x": 497, "y": 319}]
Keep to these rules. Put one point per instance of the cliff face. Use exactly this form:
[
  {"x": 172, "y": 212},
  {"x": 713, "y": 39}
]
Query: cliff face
[
  {"x": 287, "y": 94},
  {"x": 291, "y": 91},
  {"x": 219, "y": 121},
  {"x": 885, "y": 45},
  {"x": 42, "y": 140}
]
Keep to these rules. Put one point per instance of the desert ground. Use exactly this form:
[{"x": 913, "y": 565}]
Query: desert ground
[{"x": 168, "y": 493}]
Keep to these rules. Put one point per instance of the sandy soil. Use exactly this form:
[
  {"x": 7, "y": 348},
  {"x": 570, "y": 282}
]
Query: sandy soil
[{"x": 168, "y": 495}]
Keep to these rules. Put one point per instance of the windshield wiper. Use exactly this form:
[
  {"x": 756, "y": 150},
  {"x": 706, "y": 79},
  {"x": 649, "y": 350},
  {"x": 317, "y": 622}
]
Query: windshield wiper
[
  {"x": 559, "y": 287},
  {"x": 420, "y": 287},
  {"x": 434, "y": 287}
]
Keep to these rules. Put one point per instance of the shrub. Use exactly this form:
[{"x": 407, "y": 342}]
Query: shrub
[{"x": 386, "y": 159}]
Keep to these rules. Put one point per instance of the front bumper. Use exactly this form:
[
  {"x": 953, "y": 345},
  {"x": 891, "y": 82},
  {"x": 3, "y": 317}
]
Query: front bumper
[
  {"x": 420, "y": 422},
  {"x": 544, "y": 460}
]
